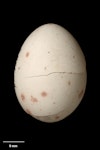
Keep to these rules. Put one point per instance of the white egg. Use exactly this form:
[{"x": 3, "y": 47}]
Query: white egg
[{"x": 50, "y": 74}]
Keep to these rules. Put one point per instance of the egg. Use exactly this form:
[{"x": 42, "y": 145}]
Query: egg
[{"x": 50, "y": 74}]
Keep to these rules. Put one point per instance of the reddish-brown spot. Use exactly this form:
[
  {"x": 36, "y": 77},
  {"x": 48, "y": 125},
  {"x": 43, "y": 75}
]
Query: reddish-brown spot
[
  {"x": 45, "y": 68},
  {"x": 44, "y": 94},
  {"x": 57, "y": 117},
  {"x": 33, "y": 99},
  {"x": 23, "y": 97},
  {"x": 70, "y": 72},
  {"x": 69, "y": 83},
  {"x": 27, "y": 54},
  {"x": 18, "y": 68},
  {"x": 54, "y": 103},
  {"x": 80, "y": 94},
  {"x": 28, "y": 111},
  {"x": 73, "y": 56}
]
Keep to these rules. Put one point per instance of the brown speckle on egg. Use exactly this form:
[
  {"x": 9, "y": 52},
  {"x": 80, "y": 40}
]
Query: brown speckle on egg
[
  {"x": 73, "y": 56},
  {"x": 57, "y": 117},
  {"x": 80, "y": 94},
  {"x": 18, "y": 68},
  {"x": 45, "y": 68},
  {"x": 27, "y": 54},
  {"x": 43, "y": 94},
  {"x": 34, "y": 99},
  {"x": 70, "y": 72},
  {"x": 28, "y": 111},
  {"x": 69, "y": 83},
  {"x": 54, "y": 103},
  {"x": 23, "y": 97}
]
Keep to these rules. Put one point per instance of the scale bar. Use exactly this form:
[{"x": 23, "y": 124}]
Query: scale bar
[{"x": 13, "y": 141}]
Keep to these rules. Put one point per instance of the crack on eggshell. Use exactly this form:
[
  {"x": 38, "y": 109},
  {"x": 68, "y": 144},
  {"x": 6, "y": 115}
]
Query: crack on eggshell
[
  {"x": 55, "y": 115},
  {"x": 43, "y": 75}
]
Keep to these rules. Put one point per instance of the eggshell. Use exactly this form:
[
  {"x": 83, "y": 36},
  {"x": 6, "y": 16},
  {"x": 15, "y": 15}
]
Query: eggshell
[{"x": 50, "y": 74}]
